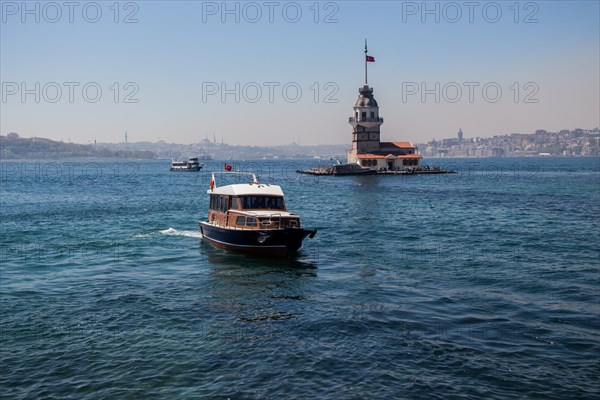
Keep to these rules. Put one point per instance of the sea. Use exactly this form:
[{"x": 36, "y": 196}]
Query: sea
[{"x": 484, "y": 284}]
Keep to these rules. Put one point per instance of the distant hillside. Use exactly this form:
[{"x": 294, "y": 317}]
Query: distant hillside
[
  {"x": 14, "y": 147},
  {"x": 224, "y": 151}
]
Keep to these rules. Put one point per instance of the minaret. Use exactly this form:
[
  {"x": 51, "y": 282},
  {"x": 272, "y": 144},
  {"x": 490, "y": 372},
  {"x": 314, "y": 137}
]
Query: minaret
[
  {"x": 460, "y": 135},
  {"x": 125, "y": 136},
  {"x": 365, "y": 120}
]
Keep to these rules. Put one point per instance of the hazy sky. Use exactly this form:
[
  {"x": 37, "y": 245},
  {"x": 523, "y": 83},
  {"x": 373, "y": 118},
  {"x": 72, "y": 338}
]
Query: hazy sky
[{"x": 270, "y": 72}]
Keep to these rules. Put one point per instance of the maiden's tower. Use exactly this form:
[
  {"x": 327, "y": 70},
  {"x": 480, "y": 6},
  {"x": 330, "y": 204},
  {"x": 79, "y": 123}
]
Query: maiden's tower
[{"x": 367, "y": 148}]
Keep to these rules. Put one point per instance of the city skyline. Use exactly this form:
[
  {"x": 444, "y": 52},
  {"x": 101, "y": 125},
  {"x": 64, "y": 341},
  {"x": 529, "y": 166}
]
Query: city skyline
[{"x": 274, "y": 72}]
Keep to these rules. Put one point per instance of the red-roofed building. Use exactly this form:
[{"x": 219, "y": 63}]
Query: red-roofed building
[{"x": 367, "y": 149}]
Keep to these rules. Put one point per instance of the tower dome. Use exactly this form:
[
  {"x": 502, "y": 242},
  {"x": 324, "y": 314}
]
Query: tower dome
[{"x": 365, "y": 98}]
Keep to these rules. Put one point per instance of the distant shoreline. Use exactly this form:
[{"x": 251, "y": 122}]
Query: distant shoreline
[
  {"x": 541, "y": 144},
  {"x": 323, "y": 161},
  {"x": 14, "y": 147}
]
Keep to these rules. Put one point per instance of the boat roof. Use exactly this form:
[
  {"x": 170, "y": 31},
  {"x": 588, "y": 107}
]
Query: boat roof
[
  {"x": 264, "y": 213},
  {"x": 241, "y": 189}
]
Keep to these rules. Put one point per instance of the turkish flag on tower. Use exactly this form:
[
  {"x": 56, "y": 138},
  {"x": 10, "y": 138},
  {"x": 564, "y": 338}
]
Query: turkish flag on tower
[
  {"x": 370, "y": 59},
  {"x": 228, "y": 167}
]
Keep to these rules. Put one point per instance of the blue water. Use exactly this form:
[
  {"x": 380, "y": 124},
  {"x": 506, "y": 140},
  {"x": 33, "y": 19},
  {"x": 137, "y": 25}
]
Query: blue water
[{"x": 483, "y": 284}]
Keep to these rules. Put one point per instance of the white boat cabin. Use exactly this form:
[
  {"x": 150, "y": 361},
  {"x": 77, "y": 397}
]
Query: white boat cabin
[{"x": 250, "y": 206}]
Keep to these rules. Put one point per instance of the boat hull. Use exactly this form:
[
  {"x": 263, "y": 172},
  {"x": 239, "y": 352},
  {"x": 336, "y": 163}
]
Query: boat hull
[
  {"x": 184, "y": 169},
  {"x": 273, "y": 242},
  {"x": 354, "y": 173}
]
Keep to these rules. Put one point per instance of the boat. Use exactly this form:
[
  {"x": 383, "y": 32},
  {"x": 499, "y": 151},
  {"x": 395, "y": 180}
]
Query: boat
[
  {"x": 350, "y": 169},
  {"x": 191, "y": 165},
  {"x": 338, "y": 170},
  {"x": 252, "y": 217}
]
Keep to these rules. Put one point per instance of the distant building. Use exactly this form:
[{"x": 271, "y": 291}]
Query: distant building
[
  {"x": 460, "y": 136},
  {"x": 12, "y": 135},
  {"x": 367, "y": 148}
]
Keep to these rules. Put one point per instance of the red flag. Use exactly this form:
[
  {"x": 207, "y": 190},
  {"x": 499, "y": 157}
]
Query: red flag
[
  {"x": 370, "y": 59},
  {"x": 228, "y": 167}
]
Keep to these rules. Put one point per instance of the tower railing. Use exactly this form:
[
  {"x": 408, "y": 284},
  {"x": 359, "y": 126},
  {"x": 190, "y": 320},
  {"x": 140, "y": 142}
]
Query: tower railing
[{"x": 354, "y": 119}]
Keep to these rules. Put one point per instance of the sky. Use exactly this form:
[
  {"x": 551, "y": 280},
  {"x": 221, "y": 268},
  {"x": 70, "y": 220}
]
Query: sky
[{"x": 275, "y": 72}]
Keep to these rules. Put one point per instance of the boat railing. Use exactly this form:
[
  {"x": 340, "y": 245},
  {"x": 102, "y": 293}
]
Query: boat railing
[
  {"x": 214, "y": 182},
  {"x": 275, "y": 218}
]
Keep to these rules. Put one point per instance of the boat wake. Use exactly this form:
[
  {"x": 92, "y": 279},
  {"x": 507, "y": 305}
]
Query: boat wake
[
  {"x": 171, "y": 232},
  {"x": 177, "y": 232}
]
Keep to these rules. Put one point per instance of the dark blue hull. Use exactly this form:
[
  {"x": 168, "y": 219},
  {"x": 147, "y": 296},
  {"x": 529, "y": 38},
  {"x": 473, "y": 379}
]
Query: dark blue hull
[{"x": 277, "y": 242}]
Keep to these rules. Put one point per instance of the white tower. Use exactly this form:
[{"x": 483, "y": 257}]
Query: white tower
[
  {"x": 365, "y": 120},
  {"x": 365, "y": 123}
]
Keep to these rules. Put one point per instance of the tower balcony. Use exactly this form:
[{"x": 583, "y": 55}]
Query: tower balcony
[{"x": 366, "y": 122}]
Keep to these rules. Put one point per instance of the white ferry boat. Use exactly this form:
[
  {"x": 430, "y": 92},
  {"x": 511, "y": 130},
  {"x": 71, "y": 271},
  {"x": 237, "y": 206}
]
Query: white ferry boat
[{"x": 191, "y": 165}]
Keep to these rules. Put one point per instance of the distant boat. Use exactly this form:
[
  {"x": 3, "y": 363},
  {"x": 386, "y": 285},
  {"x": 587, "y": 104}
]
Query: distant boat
[
  {"x": 191, "y": 165},
  {"x": 339, "y": 169},
  {"x": 252, "y": 217},
  {"x": 350, "y": 169}
]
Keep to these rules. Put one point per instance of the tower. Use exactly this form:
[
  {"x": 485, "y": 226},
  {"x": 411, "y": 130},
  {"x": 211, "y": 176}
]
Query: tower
[
  {"x": 460, "y": 135},
  {"x": 125, "y": 136},
  {"x": 365, "y": 123},
  {"x": 365, "y": 120},
  {"x": 367, "y": 148}
]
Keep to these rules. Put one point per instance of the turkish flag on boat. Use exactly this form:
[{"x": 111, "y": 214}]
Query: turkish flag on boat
[
  {"x": 370, "y": 59},
  {"x": 228, "y": 167}
]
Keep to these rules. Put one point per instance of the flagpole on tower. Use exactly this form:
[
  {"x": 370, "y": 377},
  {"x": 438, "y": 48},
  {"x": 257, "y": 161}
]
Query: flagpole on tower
[{"x": 366, "y": 81}]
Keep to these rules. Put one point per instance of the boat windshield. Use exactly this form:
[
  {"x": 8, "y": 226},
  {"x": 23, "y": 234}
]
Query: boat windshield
[{"x": 262, "y": 202}]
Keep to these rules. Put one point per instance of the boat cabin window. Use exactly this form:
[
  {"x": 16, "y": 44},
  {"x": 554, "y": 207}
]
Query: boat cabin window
[
  {"x": 262, "y": 202},
  {"x": 219, "y": 203},
  {"x": 234, "y": 203},
  {"x": 251, "y": 222},
  {"x": 240, "y": 221},
  {"x": 224, "y": 203}
]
